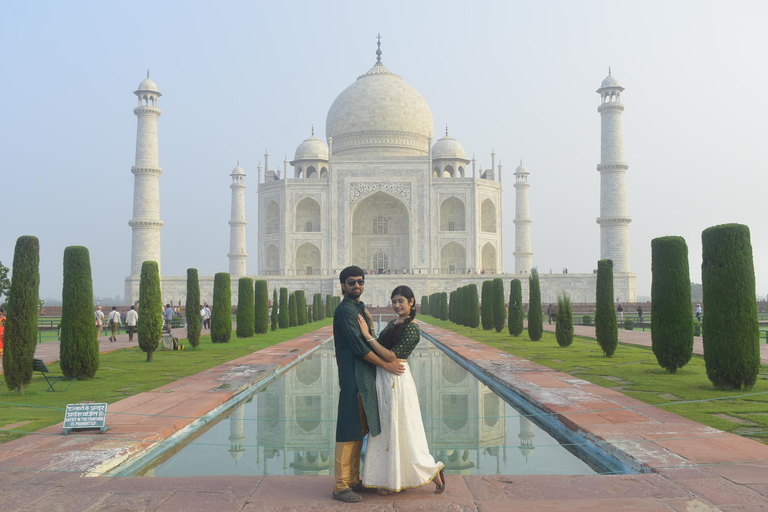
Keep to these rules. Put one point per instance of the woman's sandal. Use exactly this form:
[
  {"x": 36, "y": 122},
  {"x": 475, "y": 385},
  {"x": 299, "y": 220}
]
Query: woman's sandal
[{"x": 439, "y": 488}]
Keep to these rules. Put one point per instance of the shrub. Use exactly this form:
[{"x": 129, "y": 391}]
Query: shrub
[
  {"x": 586, "y": 320},
  {"x": 696, "y": 328},
  {"x": 21, "y": 317},
  {"x": 221, "y": 311},
  {"x": 301, "y": 307},
  {"x": 328, "y": 306},
  {"x": 732, "y": 336},
  {"x": 499, "y": 308},
  {"x": 192, "y": 307},
  {"x": 452, "y": 307},
  {"x": 486, "y": 305},
  {"x": 671, "y": 327},
  {"x": 261, "y": 306},
  {"x": 293, "y": 310},
  {"x": 273, "y": 314},
  {"x": 309, "y": 314},
  {"x": 443, "y": 305},
  {"x": 516, "y": 312},
  {"x": 535, "y": 321},
  {"x": 424, "y": 306},
  {"x": 246, "y": 316},
  {"x": 79, "y": 349},
  {"x": 629, "y": 325},
  {"x": 149, "y": 327},
  {"x": 564, "y": 321},
  {"x": 473, "y": 308},
  {"x": 315, "y": 307},
  {"x": 606, "y": 325},
  {"x": 283, "y": 314},
  {"x": 336, "y": 302}
]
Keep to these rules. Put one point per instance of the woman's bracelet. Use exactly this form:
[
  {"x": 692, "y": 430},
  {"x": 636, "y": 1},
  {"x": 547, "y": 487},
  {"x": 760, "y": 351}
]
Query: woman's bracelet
[{"x": 370, "y": 340}]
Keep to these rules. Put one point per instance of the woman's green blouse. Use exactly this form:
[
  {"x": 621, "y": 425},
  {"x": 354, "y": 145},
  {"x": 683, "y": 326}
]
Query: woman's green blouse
[{"x": 408, "y": 340}]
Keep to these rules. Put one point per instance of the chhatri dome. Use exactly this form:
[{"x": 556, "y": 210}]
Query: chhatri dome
[
  {"x": 448, "y": 147},
  {"x": 610, "y": 81},
  {"x": 148, "y": 85},
  {"x": 379, "y": 110},
  {"x": 311, "y": 149}
]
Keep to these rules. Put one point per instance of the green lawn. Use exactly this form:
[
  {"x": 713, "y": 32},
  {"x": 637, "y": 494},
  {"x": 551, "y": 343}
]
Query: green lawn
[
  {"x": 125, "y": 373},
  {"x": 633, "y": 370}
]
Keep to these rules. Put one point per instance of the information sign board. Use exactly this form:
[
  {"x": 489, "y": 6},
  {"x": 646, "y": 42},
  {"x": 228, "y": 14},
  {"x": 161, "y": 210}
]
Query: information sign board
[{"x": 85, "y": 417}]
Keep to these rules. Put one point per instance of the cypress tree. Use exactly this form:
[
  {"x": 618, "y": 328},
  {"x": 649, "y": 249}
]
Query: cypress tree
[
  {"x": 443, "y": 305},
  {"x": 261, "y": 305},
  {"x": 21, "y": 318},
  {"x": 671, "y": 326},
  {"x": 424, "y": 308},
  {"x": 192, "y": 309},
  {"x": 336, "y": 302},
  {"x": 309, "y": 313},
  {"x": 535, "y": 321},
  {"x": 452, "y": 307},
  {"x": 79, "y": 349},
  {"x": 246, "y": 316},
  {"x": 516, "y": 311},
  {"x": 328, "y": 306},
  {"x": 731, "y": 330},
  {"x": 315, "y": 308},
  {"x": 149, "y": 328},
  {"x": 221, "y": 311},
  {"x": 474, "y": 306},
  {"x": 564, "y": 322},
  {"x": 283, "y": 314},
  {"x": 486, "y": 308},
  {"x": 293, "y": 310},
  {"x": 606, "y": 325},
  {"x": 273, "y": 315},
  {"x": 499, "y": 308},
  {"x": 301, "y": 307}
]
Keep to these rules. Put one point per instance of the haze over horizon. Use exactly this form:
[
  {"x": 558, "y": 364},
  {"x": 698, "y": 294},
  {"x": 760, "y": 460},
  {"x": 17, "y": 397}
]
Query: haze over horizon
[{"x": 519, "y": 78}]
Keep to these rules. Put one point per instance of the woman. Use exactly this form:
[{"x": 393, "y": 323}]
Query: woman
[{"x": 399, "y": 457}]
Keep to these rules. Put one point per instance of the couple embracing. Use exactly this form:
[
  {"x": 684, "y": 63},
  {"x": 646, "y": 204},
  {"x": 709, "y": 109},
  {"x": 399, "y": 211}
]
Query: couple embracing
[{"x": 378, "y": 396}]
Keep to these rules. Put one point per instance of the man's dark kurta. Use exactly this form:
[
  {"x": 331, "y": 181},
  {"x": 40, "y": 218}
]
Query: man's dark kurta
[{"x": 355, "y": 374}]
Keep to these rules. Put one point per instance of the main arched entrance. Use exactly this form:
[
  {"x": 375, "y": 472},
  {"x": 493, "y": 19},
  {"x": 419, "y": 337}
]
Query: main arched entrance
[{"x": 380, "y": 238}]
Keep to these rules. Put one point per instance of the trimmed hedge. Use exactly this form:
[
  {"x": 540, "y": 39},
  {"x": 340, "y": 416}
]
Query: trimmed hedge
[
  {"x": 473, "y": 310},
  {"x": 535, "y": 320},
  {"x": 293, "y": 311},
  {"x": 629, "y": 324},
  {"x": 261, "y": 306},
  {"x": 21, "y": 317},
  {"x": 443, "y": 301},
  {"x": 499, "y": 308},
  {"x": 586, "y": 320},
  {"x": 246, "y": 316},
  {"x": 328, "y": 306},
  {"x": 606, "y": 324},
  {"x": 221, "y": 311},
  {"x": 732, "y": 333},
  {"x": 79, "y": 348},
  {"x": 424, "y": 306},
  {"x": 273, "y": 314},
  {"x": 516, "y": 311},
  {"x": 486, "y": 305},
  {"x": 283, "y": 313},
  {"x": 149, "y": 327},
  {"x": 564, "y": 321},
  {"x": 192, "y": 307},
  {"x": 301, "y": 307}
]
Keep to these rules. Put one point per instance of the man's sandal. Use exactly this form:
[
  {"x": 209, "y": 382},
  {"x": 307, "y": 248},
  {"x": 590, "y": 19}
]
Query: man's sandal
[
  {"x": 359, "y": 487},
  {"x": 347, "y": 496}
]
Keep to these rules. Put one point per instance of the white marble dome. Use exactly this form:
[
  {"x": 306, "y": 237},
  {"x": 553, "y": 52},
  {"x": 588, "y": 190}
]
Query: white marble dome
[
  {"x": 311, "y": 149},
  {"x": 148, "y": 85},
  {"x": 448, "y": 147},
  {"x": 610, "y": 81},
  {"x": 379, "y": 110},
  {"x": 238, "y": 171}
]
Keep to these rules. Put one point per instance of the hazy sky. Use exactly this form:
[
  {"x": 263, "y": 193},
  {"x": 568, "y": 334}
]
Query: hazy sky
[{"x": 241, "y": 77}]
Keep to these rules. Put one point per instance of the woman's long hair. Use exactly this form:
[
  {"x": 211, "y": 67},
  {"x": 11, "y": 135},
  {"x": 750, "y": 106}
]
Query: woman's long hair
[{"x": 391, "y": 336}]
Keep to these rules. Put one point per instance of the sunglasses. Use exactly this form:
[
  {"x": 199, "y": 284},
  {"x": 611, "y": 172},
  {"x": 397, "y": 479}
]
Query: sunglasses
[{"x": 351, "y": 282}]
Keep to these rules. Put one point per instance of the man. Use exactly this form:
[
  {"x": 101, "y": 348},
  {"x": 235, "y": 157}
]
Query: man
[
  {"x": 99, "y": 321},
  {"x": 698, "y": 313},
  {"x": 114, "y": 322},
  {"x": 168, "y": 313},
  {"x": 207, "y": 317},
  {"x": 358, "y": 403},
  {"x": 131, "y": 319},
  {"x": 620, "y": 311},
  {"x": 640, "y": 314},
  {"x": 549, "y": 313},
  {"x": 202, "y": 317}
]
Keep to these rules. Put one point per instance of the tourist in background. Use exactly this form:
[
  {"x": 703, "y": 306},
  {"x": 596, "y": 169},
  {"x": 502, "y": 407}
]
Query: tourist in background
[
  {"x": 207, "y": 312},
  {"x": 114, "y": 322},
  {"x": 131, "y": 318},
  {"x": 99, "y": 321},
  {"x": 620, "y": 311},
  {"x": 640, "y": 314},
  {"x": 168, "y": 314},
  {"x": 698, "y": 313}
]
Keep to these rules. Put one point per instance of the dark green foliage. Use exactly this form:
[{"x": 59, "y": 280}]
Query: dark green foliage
[
  {"x": 315, "y": 307},
  {"x": 486, "y": 308},
  {"x": 5, "y": 283},
  {"x": 671, "y": 327},
  {"x": 283, "y": 314},
  {"x": 309, "y": 314},
  {"x": 246, "y": 316},
  {"x": 535, "y": 320},
  {"x": 499, "y": 308},
  {"x": 731, "y": 334},
  {"x": 516, "y": 311},
  {"x": 293, "y": 311},
  {"x": 606, "y": 324},
  {"x": 473, "y": 306},
  {"x": 458, "y": 309},
  {"x": 443, "y": 305},
  {"x": 629, "y": 324},
  {"x": 79, "y": 349},
  {"x": 221, "y": 311},
  {"x": 564, "y": 321},
  {"x": 21, "y": 317},
  {"x": 328, "y": 306},
  {"x": 586, "y": 320},
  {"x": 696, "y": 328},
  {"x": 336, "y": 302},
  {"x": 452, "y": 307},
  {"x": 424, "y": 306},
  {"x": 261, "y": 305},
  {"x": 192, "y": 309},
  {"x": 273, "y": 314},
  {"x": 149, "y": 328},
  {"x": 301, "y": 307}
]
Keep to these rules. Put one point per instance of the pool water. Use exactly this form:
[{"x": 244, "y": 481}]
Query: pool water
[{"x": 288, "y": 427}]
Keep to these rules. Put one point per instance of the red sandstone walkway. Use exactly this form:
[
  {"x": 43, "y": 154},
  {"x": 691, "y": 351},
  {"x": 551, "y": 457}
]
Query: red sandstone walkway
[
  {"x": 694, "y": 468},
  {"x": 644, "y": 338}
]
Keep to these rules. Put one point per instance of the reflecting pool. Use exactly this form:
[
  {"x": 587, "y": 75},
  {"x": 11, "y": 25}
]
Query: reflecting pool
[{"x": 288, "y": 427}]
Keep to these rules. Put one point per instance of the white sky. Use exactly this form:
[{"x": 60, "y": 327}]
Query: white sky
[{"x": 241, "y": 77}]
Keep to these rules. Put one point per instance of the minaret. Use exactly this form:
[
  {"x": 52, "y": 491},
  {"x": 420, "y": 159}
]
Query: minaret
[
  {"x": 523, "y": 253},
  {"x": 236, "y": 436},
  {"x": 613, "y": 220},
  {"x": 237, "y": 255},
  {"x": 146, "y": 223}
]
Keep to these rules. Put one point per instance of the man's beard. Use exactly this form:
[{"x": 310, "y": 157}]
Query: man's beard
[{"x": 354, "y": 294}]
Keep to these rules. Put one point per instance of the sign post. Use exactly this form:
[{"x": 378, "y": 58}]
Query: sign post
[{"x": 85, "y": 417}]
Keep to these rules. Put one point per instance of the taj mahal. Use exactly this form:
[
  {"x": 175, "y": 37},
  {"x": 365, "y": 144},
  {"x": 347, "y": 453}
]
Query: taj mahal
[{"x": 381, "y": 193}]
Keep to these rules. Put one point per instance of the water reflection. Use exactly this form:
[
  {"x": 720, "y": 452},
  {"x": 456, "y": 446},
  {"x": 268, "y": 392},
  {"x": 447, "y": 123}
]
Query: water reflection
[{"x": 289, "y": 427}]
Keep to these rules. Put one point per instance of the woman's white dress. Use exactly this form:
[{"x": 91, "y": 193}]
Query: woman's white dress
[{"x": 399, "y": 457}]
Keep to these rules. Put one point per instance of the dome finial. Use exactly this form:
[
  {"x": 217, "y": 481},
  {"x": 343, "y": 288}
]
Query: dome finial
[
  {"x": 378, "y": 50},
  {"x": 313, "y": 129},
  {"x": 609, "y": 70},
  {"x": 147, "y": 72},
  {"x": 238, "y": 162},
  {"x": 446, "y": 129}
]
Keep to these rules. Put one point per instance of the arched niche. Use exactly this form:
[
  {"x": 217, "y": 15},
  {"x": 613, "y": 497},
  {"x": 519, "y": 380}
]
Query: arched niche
[
  {"x": 453, "y": 259},
  {"x": 489, "y": 258},
  {"x": 488, "y": 216},
  {"x": 307, "y": 259},
  {"x": 307, "y": 215},
  {"x": 311, "y": 172},
  {"x": 389, "y": 217},
  {"x": 452, "y": 215},
  {"x": 272, "y": 220},
  {"x": 272, "y": 264}
]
